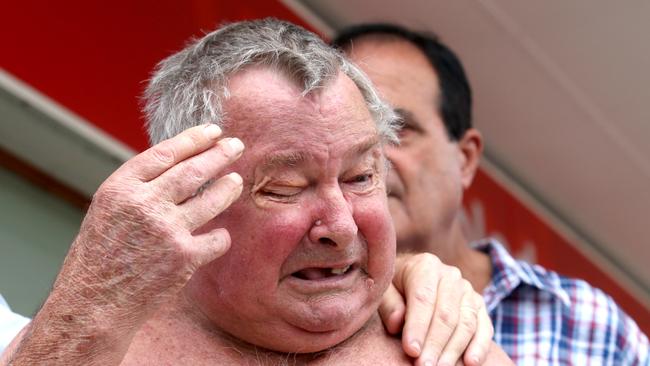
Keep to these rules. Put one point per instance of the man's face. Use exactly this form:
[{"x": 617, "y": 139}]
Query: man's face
[
  {"x": 425, "y": 188},
  {"x": 312, "y": 240}
]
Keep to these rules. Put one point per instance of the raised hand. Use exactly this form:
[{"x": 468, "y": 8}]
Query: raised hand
[{"x": 137, "y": 247}]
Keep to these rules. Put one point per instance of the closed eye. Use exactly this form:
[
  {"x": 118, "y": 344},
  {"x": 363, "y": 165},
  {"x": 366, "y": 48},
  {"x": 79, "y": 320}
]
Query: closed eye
[
  {"x": 362, "y": 178},
  {"x": 280, "y": 194}
]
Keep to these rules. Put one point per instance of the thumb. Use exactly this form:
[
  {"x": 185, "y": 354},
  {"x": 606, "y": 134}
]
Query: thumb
[{"x": 392, "y": 309}]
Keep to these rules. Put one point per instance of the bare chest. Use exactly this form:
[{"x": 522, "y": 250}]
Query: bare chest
[{"x": 157, "y": 346}]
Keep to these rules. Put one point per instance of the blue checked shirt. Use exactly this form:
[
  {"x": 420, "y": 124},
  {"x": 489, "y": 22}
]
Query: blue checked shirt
[{"x": 542, "y": 318}]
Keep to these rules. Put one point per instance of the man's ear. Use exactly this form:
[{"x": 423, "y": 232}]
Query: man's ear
[{"x": 471, "y": 148}]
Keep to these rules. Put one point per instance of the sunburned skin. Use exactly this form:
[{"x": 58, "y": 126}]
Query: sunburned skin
[
  {"x": 310, "y": 158},
  {"x": 279, "y": 181}
]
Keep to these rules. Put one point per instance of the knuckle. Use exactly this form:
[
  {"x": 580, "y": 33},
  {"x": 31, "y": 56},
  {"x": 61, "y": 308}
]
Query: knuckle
[
  {"x": 426, "y": 259},
  {"x": 189, "y": 218},
  {"x": 163, "y": 153},
  {"x": 114, "y": 196},
  {"x": 194, "y": 174},
  {"x": 425, "y": 295},
  {"x": 448, "y": 317},
  {"x": 468, "y": 319},
  {"x": 453, "y": 272}
]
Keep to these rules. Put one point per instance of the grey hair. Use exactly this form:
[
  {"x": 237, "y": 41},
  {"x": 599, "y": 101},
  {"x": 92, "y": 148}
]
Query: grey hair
[{"x": 187, "y": 88}]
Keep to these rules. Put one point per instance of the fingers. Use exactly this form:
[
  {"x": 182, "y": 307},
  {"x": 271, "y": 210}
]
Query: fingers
[
  {"x": 184, "y": 179},
  {"x": 210, "y": 246},
  {"x": 215, "y": 198},
  {"x": 479, "y": 347},
  {"x": 392, "y": 309},
  {"x": 418, "y": 278},
  {"x": 465, "y": 329},
  {"x": 157, "y": 159},
  {"x": 445, "y": 316}
]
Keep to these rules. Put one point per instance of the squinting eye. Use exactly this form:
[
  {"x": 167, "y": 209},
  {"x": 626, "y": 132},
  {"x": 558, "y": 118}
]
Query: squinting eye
[
  {"x": 280, "y": 194},
  {"x": 277, "y": 194},
  {"x": 361, "y": 181},
  {"x": 362, "y": 178}
]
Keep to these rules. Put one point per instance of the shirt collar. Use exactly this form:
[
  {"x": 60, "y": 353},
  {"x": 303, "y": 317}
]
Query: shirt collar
[{"x": 508, "y": 274}]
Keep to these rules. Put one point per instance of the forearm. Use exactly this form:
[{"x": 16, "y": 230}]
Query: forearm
[
  {"x": 74, "y": 331},
  {"x": 83, "y": 321},
  {"x": 53, "y": 341}
]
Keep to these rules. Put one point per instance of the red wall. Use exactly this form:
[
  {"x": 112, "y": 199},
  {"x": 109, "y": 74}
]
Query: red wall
[{"x": 93, "y": 57}]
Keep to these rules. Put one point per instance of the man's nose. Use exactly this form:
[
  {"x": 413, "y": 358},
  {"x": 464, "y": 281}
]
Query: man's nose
[{"x": 334, "y": 221}]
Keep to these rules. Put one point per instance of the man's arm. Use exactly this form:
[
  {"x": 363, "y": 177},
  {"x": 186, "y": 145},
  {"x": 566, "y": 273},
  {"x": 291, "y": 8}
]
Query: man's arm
[{"x": 135, "y": 250}]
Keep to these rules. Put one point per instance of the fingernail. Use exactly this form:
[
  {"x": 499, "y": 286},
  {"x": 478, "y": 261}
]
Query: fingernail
[
  {"x": 428, "y": 363},
  {"x": 235, "y": 144},
  {"x": 235, "y": 177},
  {"x": 474, "y": 359},
  {"x": 416, "y": 346},
  {"x": 212, "y": 131}
]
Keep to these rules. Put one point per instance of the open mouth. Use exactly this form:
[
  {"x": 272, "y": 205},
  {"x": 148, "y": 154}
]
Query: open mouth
[{"x": 315, "y": 274}]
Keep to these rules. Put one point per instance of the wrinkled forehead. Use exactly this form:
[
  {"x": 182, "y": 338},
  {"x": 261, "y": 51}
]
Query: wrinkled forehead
[{"x": 266, "y": 107}]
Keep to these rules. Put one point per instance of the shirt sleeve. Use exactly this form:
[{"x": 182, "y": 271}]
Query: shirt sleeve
[{"x": 10, "y": 324}]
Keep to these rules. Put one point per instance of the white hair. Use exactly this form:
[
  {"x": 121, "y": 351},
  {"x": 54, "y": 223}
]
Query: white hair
[{"x": 187, "y": 88}]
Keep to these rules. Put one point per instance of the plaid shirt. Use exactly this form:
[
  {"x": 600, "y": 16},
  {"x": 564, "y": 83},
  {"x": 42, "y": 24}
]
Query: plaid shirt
[{"x": 542, "y": 318}]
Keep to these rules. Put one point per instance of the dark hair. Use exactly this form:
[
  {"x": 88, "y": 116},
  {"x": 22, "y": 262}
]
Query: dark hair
[{"x": 455, "y": 93}]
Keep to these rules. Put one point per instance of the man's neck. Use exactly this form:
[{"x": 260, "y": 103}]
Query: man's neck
[{"x": 454, "y": 250}]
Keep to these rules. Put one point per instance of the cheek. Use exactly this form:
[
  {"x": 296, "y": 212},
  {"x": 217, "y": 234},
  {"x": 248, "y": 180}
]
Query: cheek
[
  {"x": 375, "y": 224},
  {"x": 272, "y": 233}
]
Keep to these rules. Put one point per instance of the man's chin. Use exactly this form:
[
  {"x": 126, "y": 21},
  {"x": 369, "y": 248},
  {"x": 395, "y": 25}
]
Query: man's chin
[
  {"x": 318, "y": 332},
  {"x": 326, "y": 320}
]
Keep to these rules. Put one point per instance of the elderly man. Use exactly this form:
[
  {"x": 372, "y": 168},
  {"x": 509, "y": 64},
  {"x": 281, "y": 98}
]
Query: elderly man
[
  {"x": 153, "y": 278},
  {"x": 539, "y": 316}
]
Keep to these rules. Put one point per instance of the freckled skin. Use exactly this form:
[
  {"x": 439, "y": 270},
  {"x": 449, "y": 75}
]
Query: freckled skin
[{"x": 273, "y": 237}]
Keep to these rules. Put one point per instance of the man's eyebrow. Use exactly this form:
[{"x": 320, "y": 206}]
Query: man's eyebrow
[
  {"x": 407, "y": 118},
  {"x": 403, "y": 113},
  {"x": 284, "y": 159},
  {"x": 295, "y": 158},
  {"x": 363, "y": 146}
]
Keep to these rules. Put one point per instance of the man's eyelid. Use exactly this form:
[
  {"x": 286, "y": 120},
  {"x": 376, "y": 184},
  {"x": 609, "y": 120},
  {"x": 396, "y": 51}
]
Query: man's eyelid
[
  {"x": 368, "y": 168},
  {"x": 279, "y": 188},
  {"x": 408, "y": 120},
  {"x": 412, "y": 125}
]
